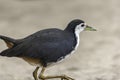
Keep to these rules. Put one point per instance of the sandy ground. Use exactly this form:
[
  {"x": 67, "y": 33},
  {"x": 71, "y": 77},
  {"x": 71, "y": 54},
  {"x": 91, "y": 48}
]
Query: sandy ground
[{"x": 98, "y": 56}]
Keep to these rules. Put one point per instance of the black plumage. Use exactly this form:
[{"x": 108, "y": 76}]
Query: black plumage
[{"x": 49, "y": 45}]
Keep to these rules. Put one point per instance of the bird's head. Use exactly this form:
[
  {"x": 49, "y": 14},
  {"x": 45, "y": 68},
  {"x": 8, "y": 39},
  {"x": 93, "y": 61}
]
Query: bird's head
[{"x": 78, "y": 25}]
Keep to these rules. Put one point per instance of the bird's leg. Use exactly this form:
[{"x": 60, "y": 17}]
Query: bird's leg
[
  {"x": 62, "y": 77},
  {"x": 41, "y": 74},
  {"x": 35, "y": 73}
]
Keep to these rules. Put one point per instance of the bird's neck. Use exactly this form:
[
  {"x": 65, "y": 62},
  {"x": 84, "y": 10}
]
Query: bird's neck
[
  {"x": 70, "y": 28},
  {"x": 76, "y": 34}
]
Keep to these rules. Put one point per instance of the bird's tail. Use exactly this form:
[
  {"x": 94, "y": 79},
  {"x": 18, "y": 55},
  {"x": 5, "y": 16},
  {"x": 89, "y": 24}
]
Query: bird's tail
[
  {"x": 10, "y": 42},
  {"x": 6, "y": 53}
]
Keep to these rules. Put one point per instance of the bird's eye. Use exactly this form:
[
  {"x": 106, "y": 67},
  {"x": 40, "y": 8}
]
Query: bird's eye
[{"x": 82, "y": 25}]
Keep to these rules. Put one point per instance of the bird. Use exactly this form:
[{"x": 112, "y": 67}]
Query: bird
[{"x": 47, "y": 46}]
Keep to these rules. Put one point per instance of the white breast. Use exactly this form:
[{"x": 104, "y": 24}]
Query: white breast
[{"x": 77, "y": 32}]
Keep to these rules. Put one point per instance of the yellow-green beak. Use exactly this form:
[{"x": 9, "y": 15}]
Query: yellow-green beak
[{"x": 88, "y": 28}]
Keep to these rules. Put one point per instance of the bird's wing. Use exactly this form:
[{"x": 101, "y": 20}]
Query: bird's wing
[{"x": 46, "y": 45}]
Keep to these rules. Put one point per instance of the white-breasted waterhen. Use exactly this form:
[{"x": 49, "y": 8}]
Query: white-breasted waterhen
[{"x": 46, "y": 46}]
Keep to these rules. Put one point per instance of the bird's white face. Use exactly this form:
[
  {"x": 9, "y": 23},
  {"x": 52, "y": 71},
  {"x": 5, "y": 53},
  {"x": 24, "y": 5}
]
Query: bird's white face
[{"x": 79, "y": 28}]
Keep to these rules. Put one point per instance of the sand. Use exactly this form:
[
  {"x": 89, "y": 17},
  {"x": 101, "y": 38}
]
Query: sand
[{"x": 98, "y": 55}]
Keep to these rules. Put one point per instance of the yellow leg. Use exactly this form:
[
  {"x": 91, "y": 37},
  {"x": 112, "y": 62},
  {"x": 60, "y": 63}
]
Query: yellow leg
[
  {"x": 35, "y": 73},
  {"x": 62, "y": 77}
]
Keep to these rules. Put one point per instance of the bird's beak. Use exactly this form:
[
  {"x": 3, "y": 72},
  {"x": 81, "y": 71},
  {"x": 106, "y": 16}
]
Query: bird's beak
[{"x": 88, "y": 28}]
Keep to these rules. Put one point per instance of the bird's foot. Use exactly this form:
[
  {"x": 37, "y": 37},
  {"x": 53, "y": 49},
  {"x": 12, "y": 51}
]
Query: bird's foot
[
  {"x": 63, "y": 77},
  {"x": 41, "y": 77}
]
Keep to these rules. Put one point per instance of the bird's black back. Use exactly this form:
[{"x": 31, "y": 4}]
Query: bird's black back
[{"x": 48, "y": 45}]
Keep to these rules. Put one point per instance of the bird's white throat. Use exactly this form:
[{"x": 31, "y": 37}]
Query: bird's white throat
[{"x": 78, "y": 29}]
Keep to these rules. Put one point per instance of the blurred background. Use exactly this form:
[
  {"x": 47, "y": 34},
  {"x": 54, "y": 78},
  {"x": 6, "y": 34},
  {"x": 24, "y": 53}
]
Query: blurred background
[{"x": 98, "y": 55}]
